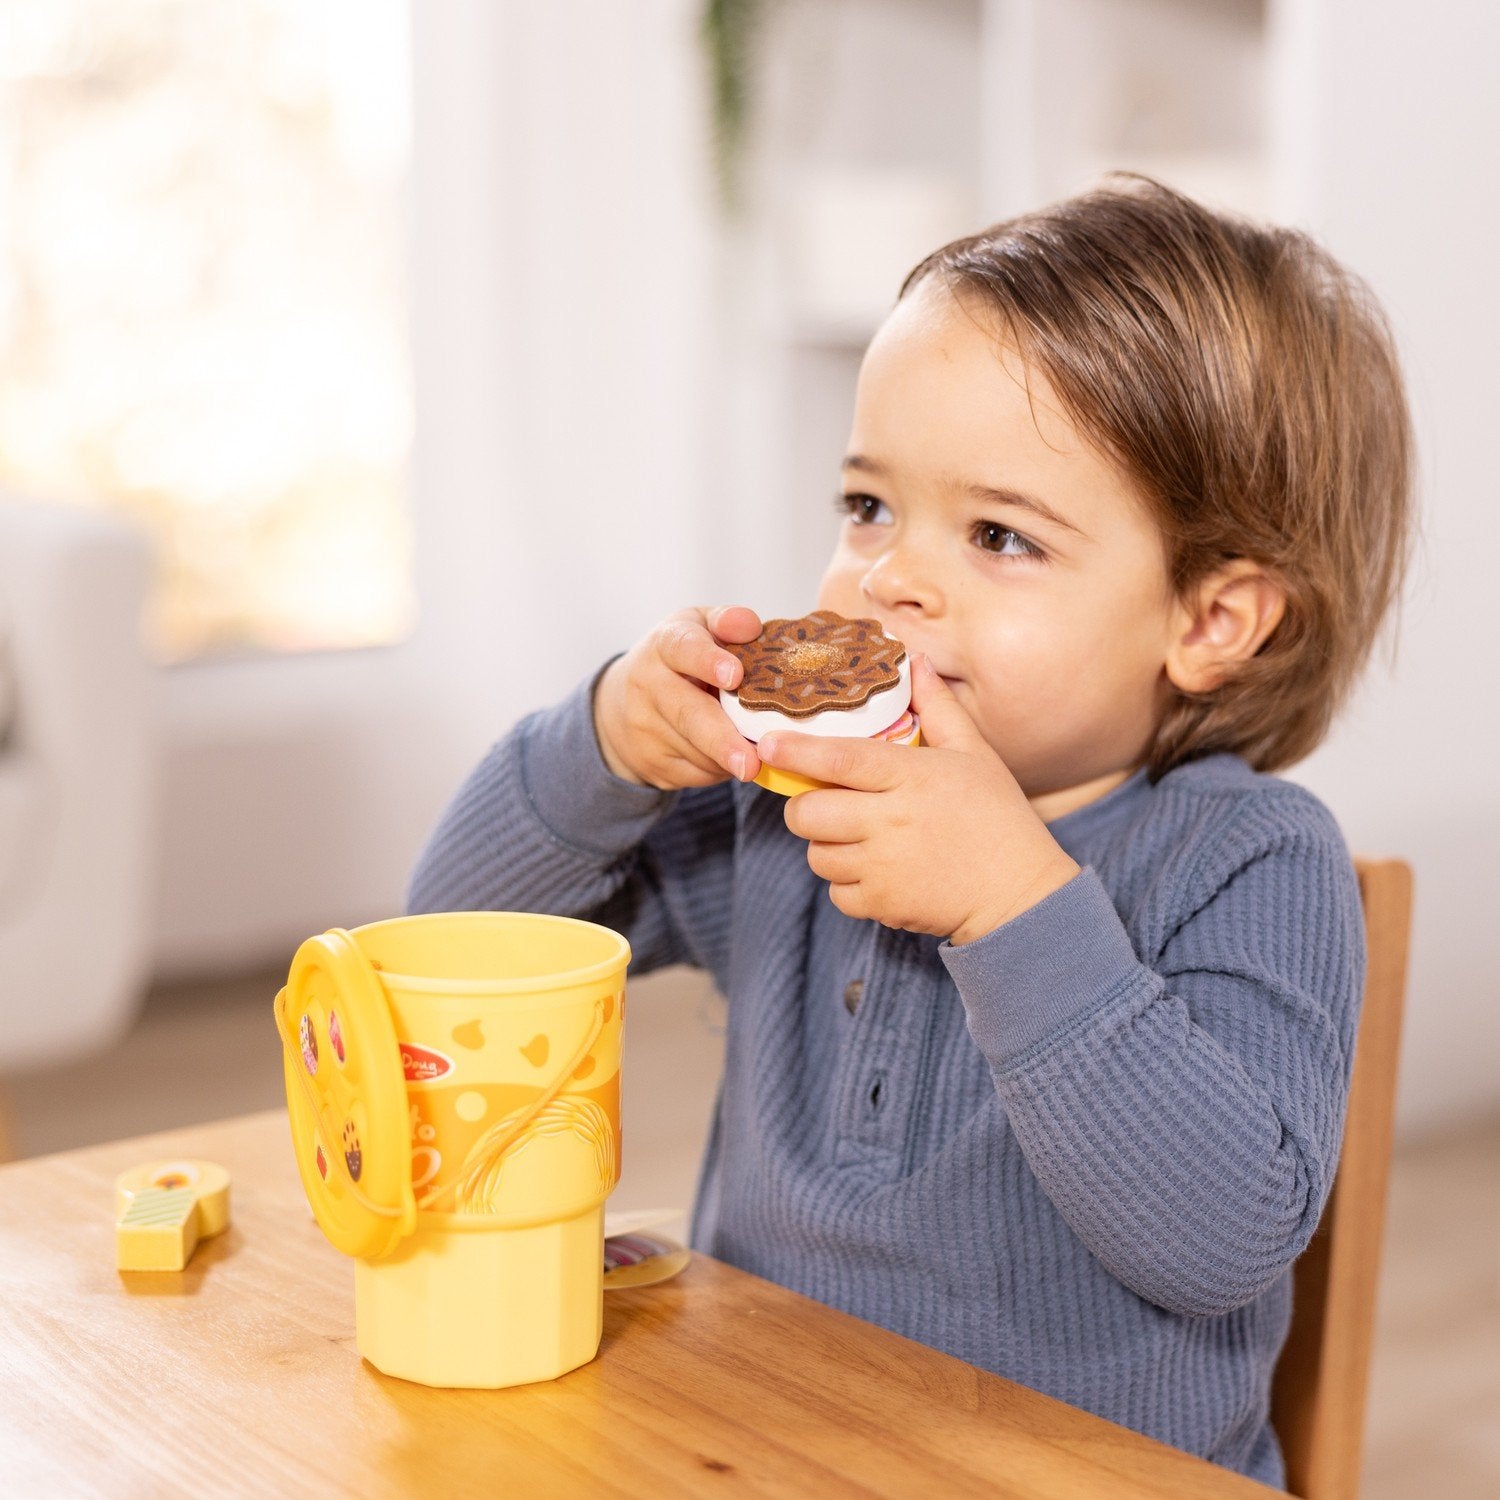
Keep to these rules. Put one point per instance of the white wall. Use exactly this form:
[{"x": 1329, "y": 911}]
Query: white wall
[
  {"x": 1394, "y": 121},
  {"x": 561, "y": 273}
]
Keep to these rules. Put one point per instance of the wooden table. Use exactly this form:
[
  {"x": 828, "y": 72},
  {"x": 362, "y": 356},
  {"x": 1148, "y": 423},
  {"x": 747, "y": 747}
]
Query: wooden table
[{"x": 239, "y": 1376}]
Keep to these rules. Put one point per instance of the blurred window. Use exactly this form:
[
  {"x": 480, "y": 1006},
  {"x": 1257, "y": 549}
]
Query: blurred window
[{"x": 202, "y": 301}]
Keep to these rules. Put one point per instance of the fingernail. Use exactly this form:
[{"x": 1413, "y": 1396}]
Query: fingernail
[
  {"x": 768, "y": 747},
  {"x": 737, "y": 765},
  {"x": 725, "y": 673}
]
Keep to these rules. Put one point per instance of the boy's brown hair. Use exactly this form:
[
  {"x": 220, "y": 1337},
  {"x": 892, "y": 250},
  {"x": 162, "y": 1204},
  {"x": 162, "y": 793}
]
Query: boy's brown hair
[{"x": 1248, "y": 384}]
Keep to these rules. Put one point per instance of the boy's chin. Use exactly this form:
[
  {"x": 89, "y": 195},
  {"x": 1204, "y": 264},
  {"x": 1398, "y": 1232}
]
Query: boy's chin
[
  {"x": 1035, "y": 781},
  {"x": 1058, "y": 800}
]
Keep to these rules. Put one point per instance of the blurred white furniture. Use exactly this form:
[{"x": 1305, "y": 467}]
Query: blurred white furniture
[{"x": 77, "y": 772}]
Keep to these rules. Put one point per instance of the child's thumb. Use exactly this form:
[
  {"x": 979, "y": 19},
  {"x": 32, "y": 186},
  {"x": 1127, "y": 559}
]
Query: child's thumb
[{"x": 945, "y": 721}]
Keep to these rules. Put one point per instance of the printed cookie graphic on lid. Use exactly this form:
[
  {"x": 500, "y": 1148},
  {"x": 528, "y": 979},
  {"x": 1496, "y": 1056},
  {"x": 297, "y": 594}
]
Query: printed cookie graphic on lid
[{"x": 820, "y": 661}]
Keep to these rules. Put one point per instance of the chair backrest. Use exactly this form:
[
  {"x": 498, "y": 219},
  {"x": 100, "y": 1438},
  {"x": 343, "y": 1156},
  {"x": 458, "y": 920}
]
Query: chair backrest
[{"x": 1318, "y": 1392}]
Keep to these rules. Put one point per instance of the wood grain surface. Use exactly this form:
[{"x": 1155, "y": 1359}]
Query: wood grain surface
[{"x": 239, "y": 1376}]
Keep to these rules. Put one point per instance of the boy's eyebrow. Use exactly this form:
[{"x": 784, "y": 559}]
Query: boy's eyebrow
[
  {"x": 983, "y": 493},
  {"x": 986, "y": 495}
]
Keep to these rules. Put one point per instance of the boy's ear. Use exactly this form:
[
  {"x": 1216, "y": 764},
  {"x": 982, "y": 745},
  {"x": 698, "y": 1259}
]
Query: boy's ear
[{"x": 1223, "y": 621}]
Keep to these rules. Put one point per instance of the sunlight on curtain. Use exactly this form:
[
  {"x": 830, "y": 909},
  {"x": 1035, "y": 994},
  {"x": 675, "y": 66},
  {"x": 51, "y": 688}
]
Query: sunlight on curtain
[{"x": 202, "y": 301}]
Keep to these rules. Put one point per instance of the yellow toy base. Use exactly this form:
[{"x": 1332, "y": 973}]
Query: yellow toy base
[
  {"x": 208, "y": 1180},
  {"x": 461, "y": 1303},
  {"x": 786, "y": 783},
  {"x": 158, "y": 1231},
  {"x": 789, "y": 783}
]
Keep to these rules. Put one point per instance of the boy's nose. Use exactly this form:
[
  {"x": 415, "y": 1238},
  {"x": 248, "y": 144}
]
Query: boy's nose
[{"x": 899, "y": 581}]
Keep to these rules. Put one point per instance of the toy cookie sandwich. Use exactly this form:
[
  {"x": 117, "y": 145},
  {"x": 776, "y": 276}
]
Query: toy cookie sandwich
[{"x": 825, "y": 675}]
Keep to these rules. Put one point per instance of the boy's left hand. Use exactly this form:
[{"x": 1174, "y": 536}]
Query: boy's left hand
[{"x": 938, "y": 838}]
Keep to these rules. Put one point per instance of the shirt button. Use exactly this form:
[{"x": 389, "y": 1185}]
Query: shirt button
[{"x": 853, "y": 994}]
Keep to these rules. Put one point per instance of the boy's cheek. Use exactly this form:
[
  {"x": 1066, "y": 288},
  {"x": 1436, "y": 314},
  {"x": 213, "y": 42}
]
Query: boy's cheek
[
  {"x": 989, "y": 730},
  {"x": 837, "y": 589}
]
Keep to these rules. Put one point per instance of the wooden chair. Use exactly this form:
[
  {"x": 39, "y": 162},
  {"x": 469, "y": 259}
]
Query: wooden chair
[{"x": 1318, "y": 1391}]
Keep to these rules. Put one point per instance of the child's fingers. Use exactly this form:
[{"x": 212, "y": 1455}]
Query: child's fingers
[
  {"x": 838, "y": 864},
  {"x": 733, "y": 622},
  {"x": 829, "y": 815},
  {"x": 849, "y": 897},
  {"x": 863, "y": 765},
  {"x": 687, "y": 770},
  {"x": 678, "y": 762},
  {"x": 704, "y": 730},
  {"x": 945, "y": 721},
  {"x": 688, "y": 647}
]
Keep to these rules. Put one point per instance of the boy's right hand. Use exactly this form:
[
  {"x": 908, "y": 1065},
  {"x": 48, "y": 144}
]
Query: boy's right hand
[{"x": 656, "y": 709}]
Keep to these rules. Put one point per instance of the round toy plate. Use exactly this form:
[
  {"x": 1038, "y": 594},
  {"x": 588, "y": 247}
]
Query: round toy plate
[{"x": 346, "y": 1094}]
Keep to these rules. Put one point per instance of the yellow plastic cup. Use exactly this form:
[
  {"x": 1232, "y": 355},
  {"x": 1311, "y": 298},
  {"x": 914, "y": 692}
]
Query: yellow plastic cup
[{"x": 464, "y": 1134}]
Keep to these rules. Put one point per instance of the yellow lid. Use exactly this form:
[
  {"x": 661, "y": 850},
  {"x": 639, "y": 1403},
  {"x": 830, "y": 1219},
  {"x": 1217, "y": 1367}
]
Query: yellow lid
[{"x": 346, "y": 1095}]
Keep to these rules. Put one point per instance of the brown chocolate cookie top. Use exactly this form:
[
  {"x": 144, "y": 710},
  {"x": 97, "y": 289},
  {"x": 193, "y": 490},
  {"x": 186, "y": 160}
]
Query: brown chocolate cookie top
[{"x": 821, "y": 661}]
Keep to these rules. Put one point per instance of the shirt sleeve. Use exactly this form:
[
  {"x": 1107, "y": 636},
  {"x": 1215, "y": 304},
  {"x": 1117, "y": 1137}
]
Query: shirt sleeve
[
  {"x": 1184, "y": 1115},
  {"x": 542, "y": 824}
]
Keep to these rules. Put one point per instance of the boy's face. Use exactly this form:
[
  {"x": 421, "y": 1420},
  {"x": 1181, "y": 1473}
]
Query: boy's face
[{"x": 986, "y": 532}]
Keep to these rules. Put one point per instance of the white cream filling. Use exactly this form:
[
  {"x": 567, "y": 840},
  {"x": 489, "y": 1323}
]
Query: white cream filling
[{"x": 878, "y": 711}]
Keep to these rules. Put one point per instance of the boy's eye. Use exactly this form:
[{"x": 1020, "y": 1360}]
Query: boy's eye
[
  {"x": 863, "y": 510},
  {"x": 991, "y": 536}
]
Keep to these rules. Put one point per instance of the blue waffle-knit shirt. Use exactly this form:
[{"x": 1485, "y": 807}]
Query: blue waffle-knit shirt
[{"x": 1081, "y": 1151}]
